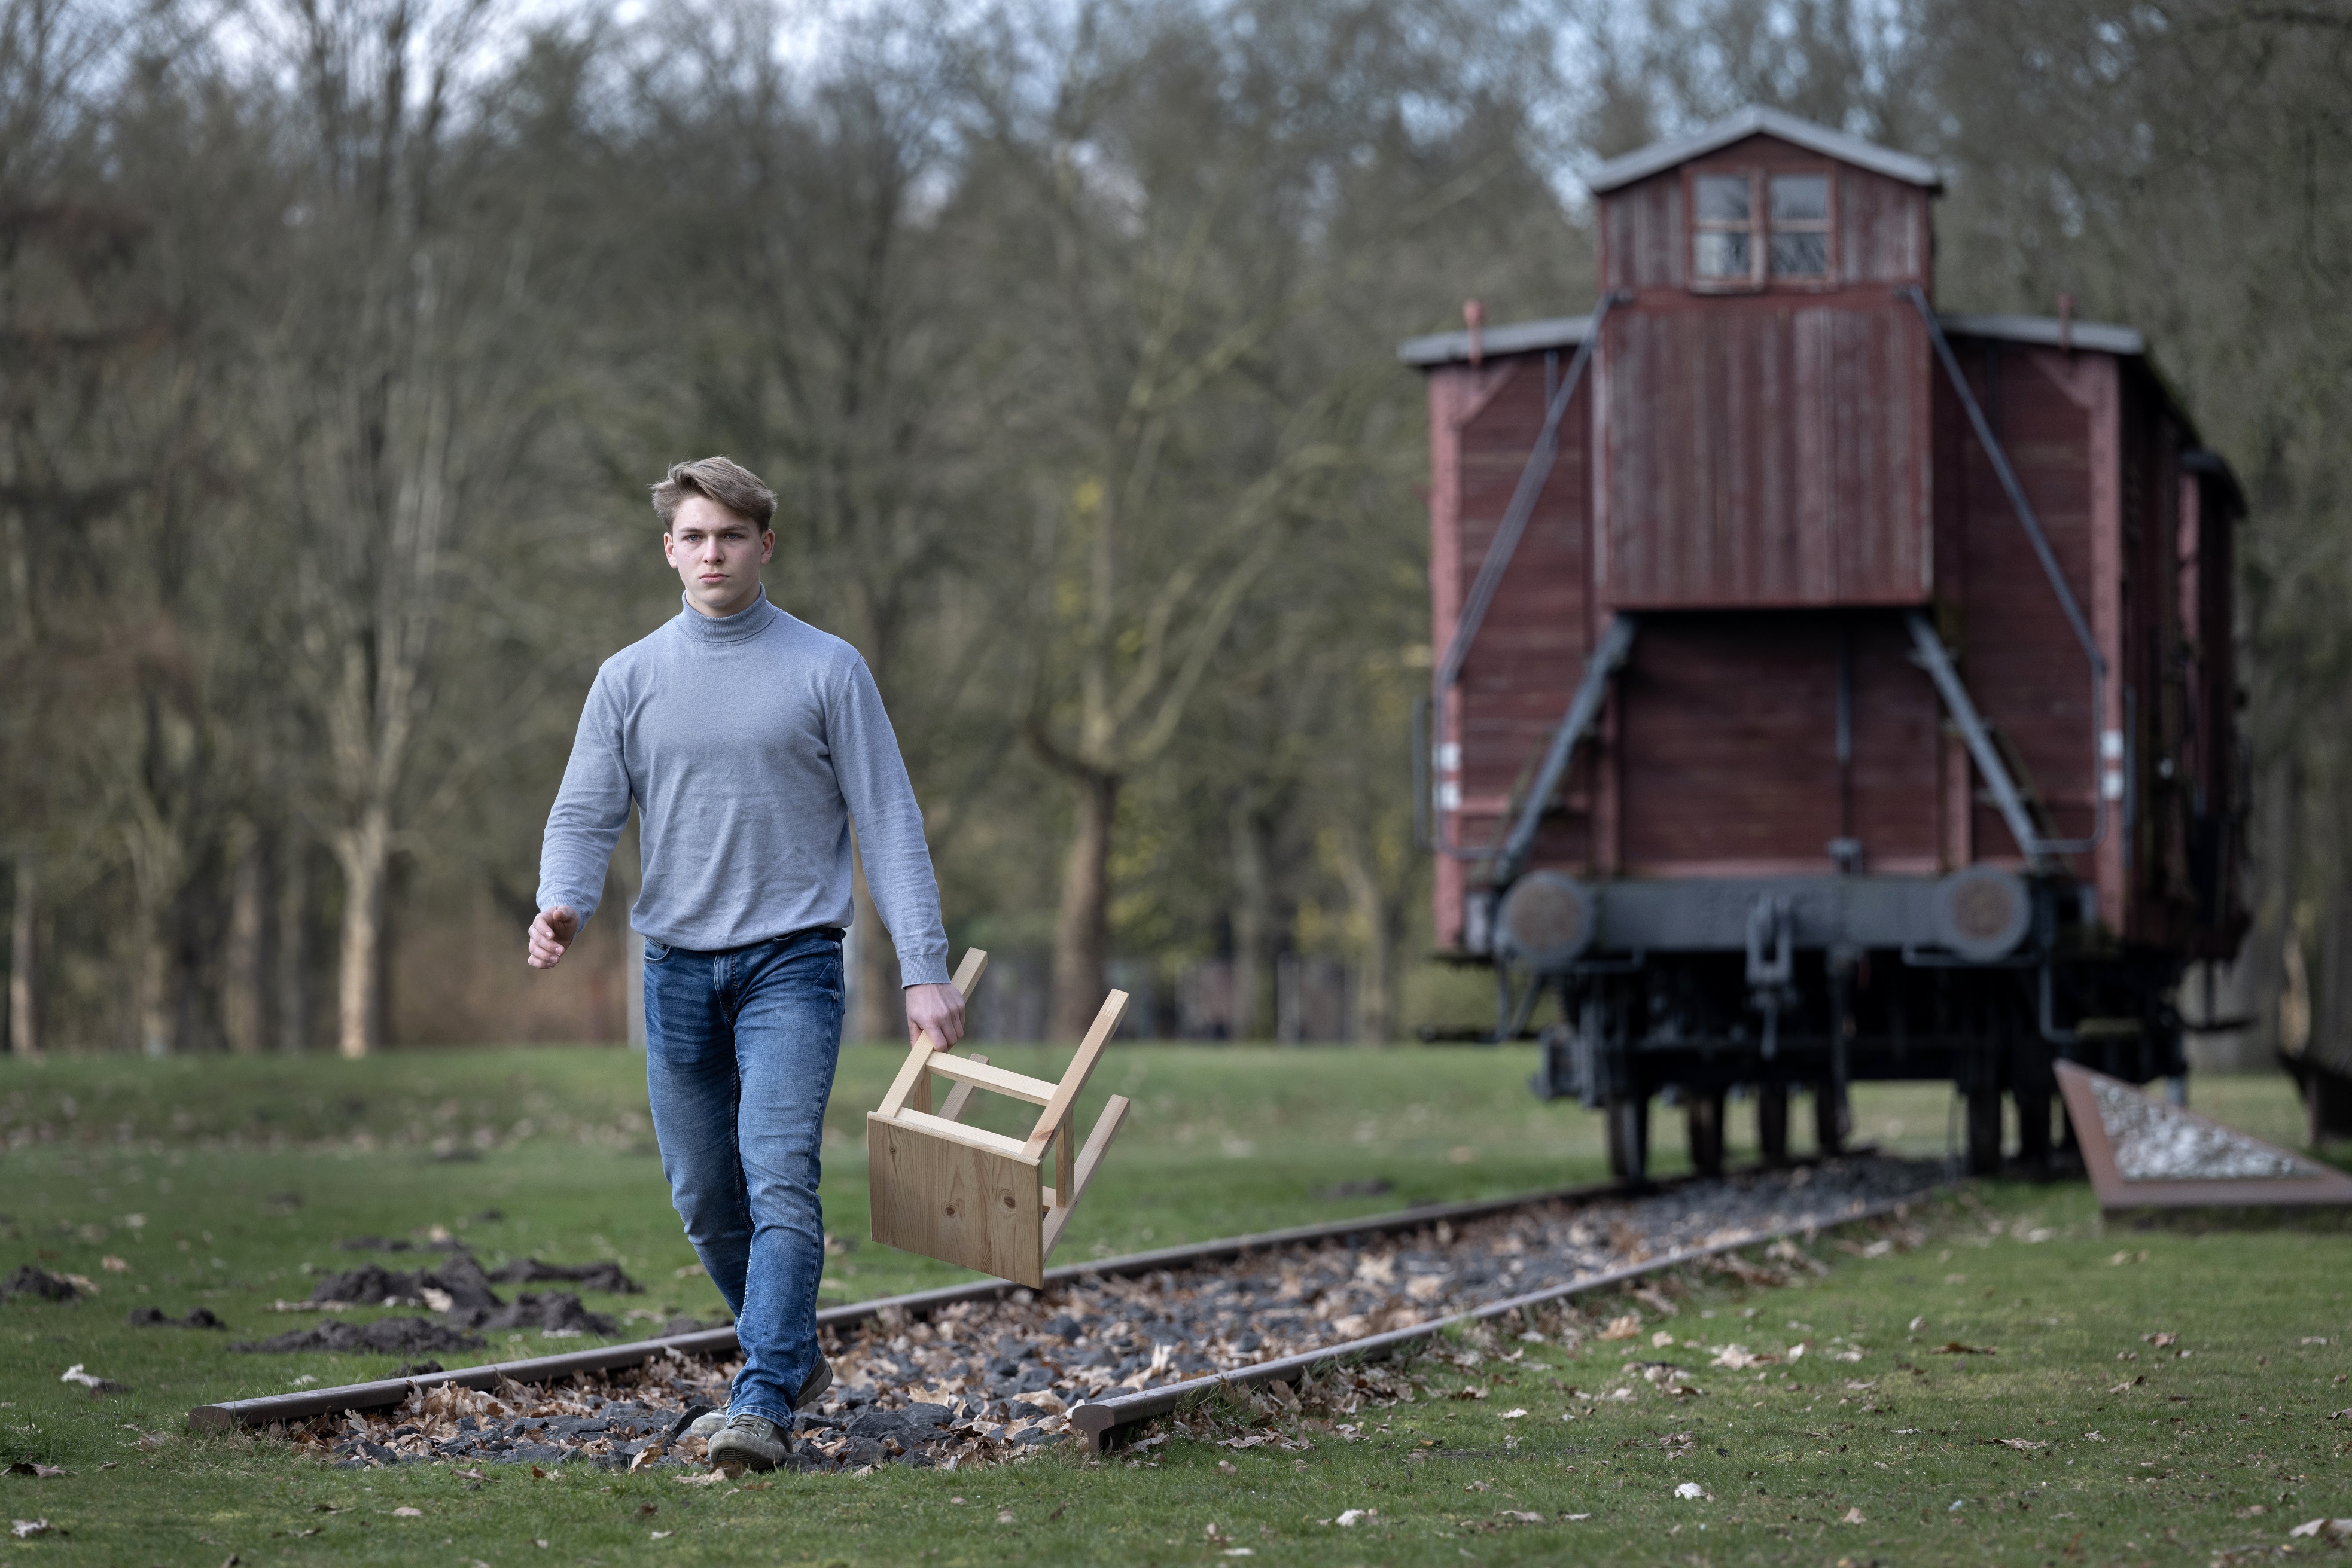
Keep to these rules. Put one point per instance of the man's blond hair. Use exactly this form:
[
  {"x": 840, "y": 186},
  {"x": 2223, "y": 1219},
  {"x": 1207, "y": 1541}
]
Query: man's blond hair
[{"x": 719, "y": 479}]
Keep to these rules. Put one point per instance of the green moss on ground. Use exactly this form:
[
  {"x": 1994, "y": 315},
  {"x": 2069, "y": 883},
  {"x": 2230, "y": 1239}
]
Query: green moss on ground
[{"x": 2169, "y": 1470}]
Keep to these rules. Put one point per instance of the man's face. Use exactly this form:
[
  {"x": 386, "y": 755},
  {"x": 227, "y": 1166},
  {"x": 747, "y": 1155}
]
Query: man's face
[{"x": 718, "y": 555}]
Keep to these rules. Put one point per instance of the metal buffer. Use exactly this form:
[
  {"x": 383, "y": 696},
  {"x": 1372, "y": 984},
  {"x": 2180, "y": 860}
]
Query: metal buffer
[{"x": 974, "y": 1198}]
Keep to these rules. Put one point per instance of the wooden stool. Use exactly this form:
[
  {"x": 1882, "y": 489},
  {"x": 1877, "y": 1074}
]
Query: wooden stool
[{"x": 966, "y": 1196}]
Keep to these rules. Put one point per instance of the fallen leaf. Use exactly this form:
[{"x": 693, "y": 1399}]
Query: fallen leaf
[
  {"x": 1468, "y": 1392},
  {"x": 1511, "y": 1415},
  {"x": 1478, "y": 1486},
  {"x": 2250, "y": 1512},
  {"x": 1003, "y": 1516},
  {"x": 1917, "y": 1323},
  {"x": 1348, "y": 1518},
  {"x": 1691, "y": 1490},
  {"x": 114, "y": 1265},
  {"x": 1954, "y": 1347},
  {"x": 26, "y": 1528},
  {"x": 707, "y": 1479},
  {"x": 2019, "y": 1443},
  {"x": 405, "y": 1512},
  {"x": 1796, "y": 1353},
  {"x": 1852, "y": 1516},
  {"x": 35, "y": 1468},
  {"x": 664, "y": 1534},
  {"x": 2128, "y": 1382},
  {"x": 1660, "y": 1339},
  {"x": 1576, "y": 1518},
  {"x": 1522, "y": 1516},
  {"x": 1625, "y": 1327},
  {"x": 2162, "y": 1340},
  {"x": 474, "y": 1475}
]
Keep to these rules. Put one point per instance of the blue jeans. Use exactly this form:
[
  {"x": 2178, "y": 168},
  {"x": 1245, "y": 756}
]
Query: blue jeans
[{"x": 741, "y": 1047}]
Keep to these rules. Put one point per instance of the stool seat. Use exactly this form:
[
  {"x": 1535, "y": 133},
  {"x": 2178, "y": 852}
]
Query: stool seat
[{"x": 970, "y": 1196}]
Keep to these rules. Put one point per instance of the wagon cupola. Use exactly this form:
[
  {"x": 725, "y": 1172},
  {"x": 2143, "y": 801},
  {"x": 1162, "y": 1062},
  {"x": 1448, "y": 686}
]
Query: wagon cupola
[{"x": 1828, "y": 686}]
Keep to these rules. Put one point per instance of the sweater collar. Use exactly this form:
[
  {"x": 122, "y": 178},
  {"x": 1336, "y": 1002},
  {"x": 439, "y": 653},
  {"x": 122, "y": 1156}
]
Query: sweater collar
[{"x": 748, "y": 621}]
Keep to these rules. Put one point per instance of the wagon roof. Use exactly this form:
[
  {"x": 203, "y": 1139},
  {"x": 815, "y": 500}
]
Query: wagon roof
[
  {"x": 1566, "y": 332},
  {"x": 1754, "y": 121}
]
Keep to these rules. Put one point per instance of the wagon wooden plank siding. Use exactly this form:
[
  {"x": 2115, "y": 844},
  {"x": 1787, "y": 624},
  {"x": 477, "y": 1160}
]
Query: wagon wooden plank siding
[{"x": 1856, "y": 700}]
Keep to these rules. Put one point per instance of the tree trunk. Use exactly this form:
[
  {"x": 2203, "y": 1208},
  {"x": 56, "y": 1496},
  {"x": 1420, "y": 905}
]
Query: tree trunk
[
  {"x": 1252, "y": 921},
  {"x": 365, "y": 852},
  {"x": 24, "y": 961},
  {"x": 245, "y": 960},
  {"x": 1375, "y": 1009},
  {"x": 881, "y": 1004},
  {"x": 293, "y": 977},
  {"x": 1082, "y": 925},
  {"x": 154, "y": 1008}
]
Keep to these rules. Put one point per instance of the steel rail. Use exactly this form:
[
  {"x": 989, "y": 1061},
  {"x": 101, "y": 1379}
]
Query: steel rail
[
  {"x": 268, "y": 1409},
  {"x": 1102, "y": 1421},
  {"x": 265, "y": 1409}
]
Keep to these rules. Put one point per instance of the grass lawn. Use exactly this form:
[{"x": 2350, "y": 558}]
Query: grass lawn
[{"x": 220, "y": 1183}]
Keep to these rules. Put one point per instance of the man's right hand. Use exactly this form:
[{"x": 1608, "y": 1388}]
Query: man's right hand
[{"x": 551, "y": 934}]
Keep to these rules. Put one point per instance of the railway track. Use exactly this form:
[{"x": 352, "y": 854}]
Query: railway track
[{"x": 982, "y": 1372}]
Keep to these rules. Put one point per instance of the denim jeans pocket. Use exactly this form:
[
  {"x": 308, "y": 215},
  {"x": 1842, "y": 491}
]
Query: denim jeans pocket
[{"x": 654, "y": 951}]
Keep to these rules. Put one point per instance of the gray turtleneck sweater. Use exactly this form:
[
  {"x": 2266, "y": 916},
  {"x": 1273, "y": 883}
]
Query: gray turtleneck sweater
[{"x": 750, "y": 744}]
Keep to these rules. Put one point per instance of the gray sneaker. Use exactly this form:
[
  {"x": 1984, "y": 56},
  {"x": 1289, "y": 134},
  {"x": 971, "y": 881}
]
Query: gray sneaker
[
  {"x": 749, "y": 1443},
  {"x": 707, "y": 1425},
  {"x": 820, "y": 1378}
]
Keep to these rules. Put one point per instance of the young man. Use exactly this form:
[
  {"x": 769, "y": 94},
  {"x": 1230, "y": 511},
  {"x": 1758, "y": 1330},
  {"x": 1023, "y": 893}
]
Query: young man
[{"x": 751, "y": 741}]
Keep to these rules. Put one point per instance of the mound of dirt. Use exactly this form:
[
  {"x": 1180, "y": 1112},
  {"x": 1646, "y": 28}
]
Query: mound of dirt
[
  {"x": 555, "y": 1310},
  {"x": 369, "y": 1285},
  {"x": 28, "y": 1280},
  {"x": 460, "y": 1279},
  {"x": 154, "y": 1318},
  {"x": 388, "y": 1336},
  {"x": 606, "y": 1277}
]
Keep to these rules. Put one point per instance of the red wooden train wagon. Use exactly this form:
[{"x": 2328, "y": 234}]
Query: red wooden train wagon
[{"x": 1827, "y": 688}]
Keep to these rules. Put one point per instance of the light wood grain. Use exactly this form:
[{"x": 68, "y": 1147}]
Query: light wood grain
[
  {"x": 913, "y": 1085},
  {"x": 1081, "y": 1068},
  {"x": 961, "y": 1095},
  {"x": 970, "y": 1137},
  {"x": 961, "y": 1204},
  {"x": 1057, "y": 1218},
  {"x": 975, "y": 1070}
]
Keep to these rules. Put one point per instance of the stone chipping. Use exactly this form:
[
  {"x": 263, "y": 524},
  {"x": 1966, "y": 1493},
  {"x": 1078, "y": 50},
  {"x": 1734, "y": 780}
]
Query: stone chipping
[{"x": 986, "y": 1381}]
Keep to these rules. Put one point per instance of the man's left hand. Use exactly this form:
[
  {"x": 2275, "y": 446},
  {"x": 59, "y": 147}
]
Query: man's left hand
[{"x": 937, "y": 1010}]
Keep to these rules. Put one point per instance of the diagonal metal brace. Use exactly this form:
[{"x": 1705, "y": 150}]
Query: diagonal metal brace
[
  {"x": 1929, "y": 650},
  {"x": 1583, "y": 710},
  {"x": 2037, "y": 847}
]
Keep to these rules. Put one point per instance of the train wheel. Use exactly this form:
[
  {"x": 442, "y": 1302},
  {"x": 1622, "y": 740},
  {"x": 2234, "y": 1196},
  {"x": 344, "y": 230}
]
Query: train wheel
[
  {"x": 1832, "y": 1118},
  {"x": 1629, "y": 1137},
  {"x": 1984, "y": 1131},
  {"x": 1772, "y": 1122},
  {"x": 1703, "y": 1126}
]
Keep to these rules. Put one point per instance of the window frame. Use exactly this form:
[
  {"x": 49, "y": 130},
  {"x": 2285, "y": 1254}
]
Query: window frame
[{"x": 1760, "y": 279}]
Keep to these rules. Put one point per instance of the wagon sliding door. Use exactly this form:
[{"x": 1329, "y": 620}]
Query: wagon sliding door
[{"x": 1765, "y": 454}]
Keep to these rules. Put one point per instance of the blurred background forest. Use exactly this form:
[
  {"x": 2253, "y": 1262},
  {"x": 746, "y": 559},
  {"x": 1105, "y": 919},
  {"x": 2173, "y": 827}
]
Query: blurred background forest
[{"x": 340, "y": 340}]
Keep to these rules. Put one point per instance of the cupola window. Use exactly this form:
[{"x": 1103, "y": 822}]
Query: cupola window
[
  {"x": 1801, "y": 226},
  {"x": 1725, "y": 245},
  {"x": 1750, "y": 229}
]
